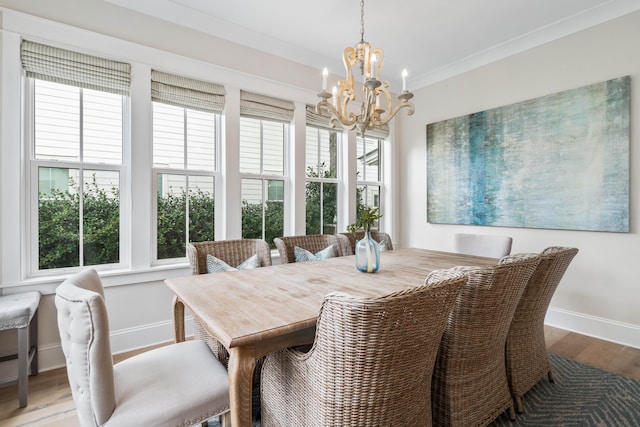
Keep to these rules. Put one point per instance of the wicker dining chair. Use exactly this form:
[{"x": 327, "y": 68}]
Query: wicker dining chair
[
  {"x": 313, "y": 243},
  {"x": 363, "y": 368},
  {"x": 233, "y": 252},
  {"x": 526, "y": 351},
  {"x": 470, "y": 385},
  {"x": 378, "y": 236}
]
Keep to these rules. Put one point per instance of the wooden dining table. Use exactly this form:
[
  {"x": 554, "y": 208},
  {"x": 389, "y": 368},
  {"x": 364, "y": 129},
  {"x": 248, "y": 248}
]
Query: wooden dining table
[{"x": 255, "y": 312}]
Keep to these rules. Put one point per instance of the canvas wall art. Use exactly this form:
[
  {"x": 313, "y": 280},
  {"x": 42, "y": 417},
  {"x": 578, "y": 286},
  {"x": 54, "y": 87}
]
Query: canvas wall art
[{"x": 558, "y": 162}]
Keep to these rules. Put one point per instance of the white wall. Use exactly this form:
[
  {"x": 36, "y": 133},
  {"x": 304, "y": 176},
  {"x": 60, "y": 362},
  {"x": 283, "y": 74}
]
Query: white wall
[{"x": 600, "y": 293}]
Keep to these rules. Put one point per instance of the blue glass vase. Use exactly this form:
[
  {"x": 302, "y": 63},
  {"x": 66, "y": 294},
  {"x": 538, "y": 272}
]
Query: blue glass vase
[{"x": 367, "y": 254}]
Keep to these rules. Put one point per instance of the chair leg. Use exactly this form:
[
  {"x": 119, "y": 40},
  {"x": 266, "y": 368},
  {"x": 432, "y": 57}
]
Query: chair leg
[
  {"x": 225, "y": 419},
  {"x": 512, "y": 413},
  {"x": 33, "y": 343},
  {"x": 518, "y": 400},
  {"x": 550, "y": 375},
  {"x": 23, "y": 365},
  {"x": 178, "y": 320}
]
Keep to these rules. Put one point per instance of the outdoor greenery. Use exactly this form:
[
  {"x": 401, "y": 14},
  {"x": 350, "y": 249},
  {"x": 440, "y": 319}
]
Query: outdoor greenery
[
  {"x": 317, "y": 192},
  {"x": 59, "y": 219},
  {"x": 59, "y": 226},
  {"x": 172, "y": 221},
  {"x": 273, "y": 218}
]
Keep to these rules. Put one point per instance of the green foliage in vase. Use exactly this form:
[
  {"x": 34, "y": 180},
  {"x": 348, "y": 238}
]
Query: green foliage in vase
[{"x": 366, "y": 218}]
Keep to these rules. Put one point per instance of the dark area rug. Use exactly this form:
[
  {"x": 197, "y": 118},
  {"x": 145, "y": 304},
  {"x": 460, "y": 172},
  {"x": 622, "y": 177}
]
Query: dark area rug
[{"x": 581, "y": 395}]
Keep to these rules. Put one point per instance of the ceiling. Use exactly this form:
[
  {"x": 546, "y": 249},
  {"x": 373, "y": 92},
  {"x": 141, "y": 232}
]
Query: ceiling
[{"x": 432, "y": 39}]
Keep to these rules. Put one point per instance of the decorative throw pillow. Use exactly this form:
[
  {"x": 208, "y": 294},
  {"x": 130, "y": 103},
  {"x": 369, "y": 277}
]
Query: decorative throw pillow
[
  {"x": 216, "y": 265},
  {"x": 250, "y": 263},
  {"x": 302, "y": 255}
]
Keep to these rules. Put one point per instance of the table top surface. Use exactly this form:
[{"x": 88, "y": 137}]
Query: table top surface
[{"x": 246, "y": 306}]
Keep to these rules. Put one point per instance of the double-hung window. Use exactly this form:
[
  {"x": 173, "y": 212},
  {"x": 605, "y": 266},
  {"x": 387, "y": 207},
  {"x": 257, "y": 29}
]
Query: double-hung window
[
  {"x": 76, "y": 114},
  {"x": 369, "y": 166},
  {"x": 321, "y": 172},
  {"x": 186, "y": 122},
  {"x": 264, "y": 134}
]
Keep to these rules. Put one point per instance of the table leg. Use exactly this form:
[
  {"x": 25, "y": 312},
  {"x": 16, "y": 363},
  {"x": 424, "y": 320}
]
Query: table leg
[{"x": 242, "y": 362}]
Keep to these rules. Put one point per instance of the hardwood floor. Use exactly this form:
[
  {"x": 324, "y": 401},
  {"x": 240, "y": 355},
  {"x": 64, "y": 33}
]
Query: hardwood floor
[{"x": 51, "y": 404}]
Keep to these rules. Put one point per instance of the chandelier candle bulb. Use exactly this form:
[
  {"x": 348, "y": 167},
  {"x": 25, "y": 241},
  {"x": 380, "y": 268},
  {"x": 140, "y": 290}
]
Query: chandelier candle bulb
[
  {"x": 404, "y": 80},
  {"x": 325, "y": 74},
  {"x": 374, "y": 58}
]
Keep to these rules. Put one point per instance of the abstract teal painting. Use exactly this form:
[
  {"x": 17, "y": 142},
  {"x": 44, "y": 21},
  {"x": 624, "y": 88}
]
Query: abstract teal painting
[{"x": 560, "y": 161}]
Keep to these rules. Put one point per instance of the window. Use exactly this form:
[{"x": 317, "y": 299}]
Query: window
[
  {"x": 76, "y": 165},
  {"x": 262, "y": 145},
  {"x": 185, "y": 142},
  {"x": 322, "y": 184},
  {"x": 369, "y": 182},
  {"x": 76, "y": 106},
  {"x": 264, "y": 133},
  {"x": 184, "y": 161}
]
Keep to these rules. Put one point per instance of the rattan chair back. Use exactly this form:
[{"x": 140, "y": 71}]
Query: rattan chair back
[
  {"x": 526, "y": 350},
  {"x": 370, "y": 364},
  {"x": 312, "y": 242},
  {"x": 469, "y": 382},
  {"x": 233, "y": 252}
]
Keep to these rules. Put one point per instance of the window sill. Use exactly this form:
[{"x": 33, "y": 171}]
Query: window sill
[{"x": 47, "y": 284}]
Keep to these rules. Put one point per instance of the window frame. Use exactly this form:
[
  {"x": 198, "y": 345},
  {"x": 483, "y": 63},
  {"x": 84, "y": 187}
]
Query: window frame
[
  {"x": 337, "y": 180},
  {"x": 32, "y": 166},
  {"x": 265, "y": 178},
  {"x": 187, "y": 173},
  {"x": 364, "y": 182}
]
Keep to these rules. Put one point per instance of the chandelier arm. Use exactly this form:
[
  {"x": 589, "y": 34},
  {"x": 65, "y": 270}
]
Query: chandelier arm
[{"x": 394, "y": 111}]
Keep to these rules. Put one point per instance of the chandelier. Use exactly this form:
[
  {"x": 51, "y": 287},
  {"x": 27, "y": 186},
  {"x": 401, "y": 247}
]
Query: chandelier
[{"x": 376, "y": 107}]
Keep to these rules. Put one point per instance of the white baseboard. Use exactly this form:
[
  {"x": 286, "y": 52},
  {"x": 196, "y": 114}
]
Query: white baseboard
[
  {"x": 618, "y": 332},
  {"x": 124, "y": 340}
]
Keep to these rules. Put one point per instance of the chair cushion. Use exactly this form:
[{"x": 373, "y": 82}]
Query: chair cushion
[
  {"x": 153, "y": 387},
  {"x": 16, "y": 310},
  {"x": 302, "y": 255},
  {"x": 216, "y": 265}
]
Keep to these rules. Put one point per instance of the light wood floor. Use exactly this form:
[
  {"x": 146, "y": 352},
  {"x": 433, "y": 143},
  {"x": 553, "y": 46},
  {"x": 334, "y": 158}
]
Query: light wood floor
[{"x": 51, "y": 404}]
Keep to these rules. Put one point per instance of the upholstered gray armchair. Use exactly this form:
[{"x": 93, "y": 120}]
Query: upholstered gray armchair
[{"x": 179, "y": 384}]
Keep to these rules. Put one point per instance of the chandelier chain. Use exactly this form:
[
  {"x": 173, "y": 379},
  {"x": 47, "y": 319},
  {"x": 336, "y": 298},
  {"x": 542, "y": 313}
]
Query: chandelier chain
[{"x": 361, "y": 20}]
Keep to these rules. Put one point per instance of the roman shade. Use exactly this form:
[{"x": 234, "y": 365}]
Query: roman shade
[
  {"x": 186, "y": 92},
  {"x": 265, "y": 107},
  {"x": 319, "y": 120},
  {"x": 75, "y": 69}
]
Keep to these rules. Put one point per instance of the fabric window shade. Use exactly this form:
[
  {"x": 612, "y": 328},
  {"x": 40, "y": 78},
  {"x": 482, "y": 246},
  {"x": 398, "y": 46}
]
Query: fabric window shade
[
  {"x": 75, "y": 69},
  {"x": 265, "y": 107},
  {"x": 380, "y": 133},
  {"x": 186, "y": 92},
  {"x": 318, "y": 120}
]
